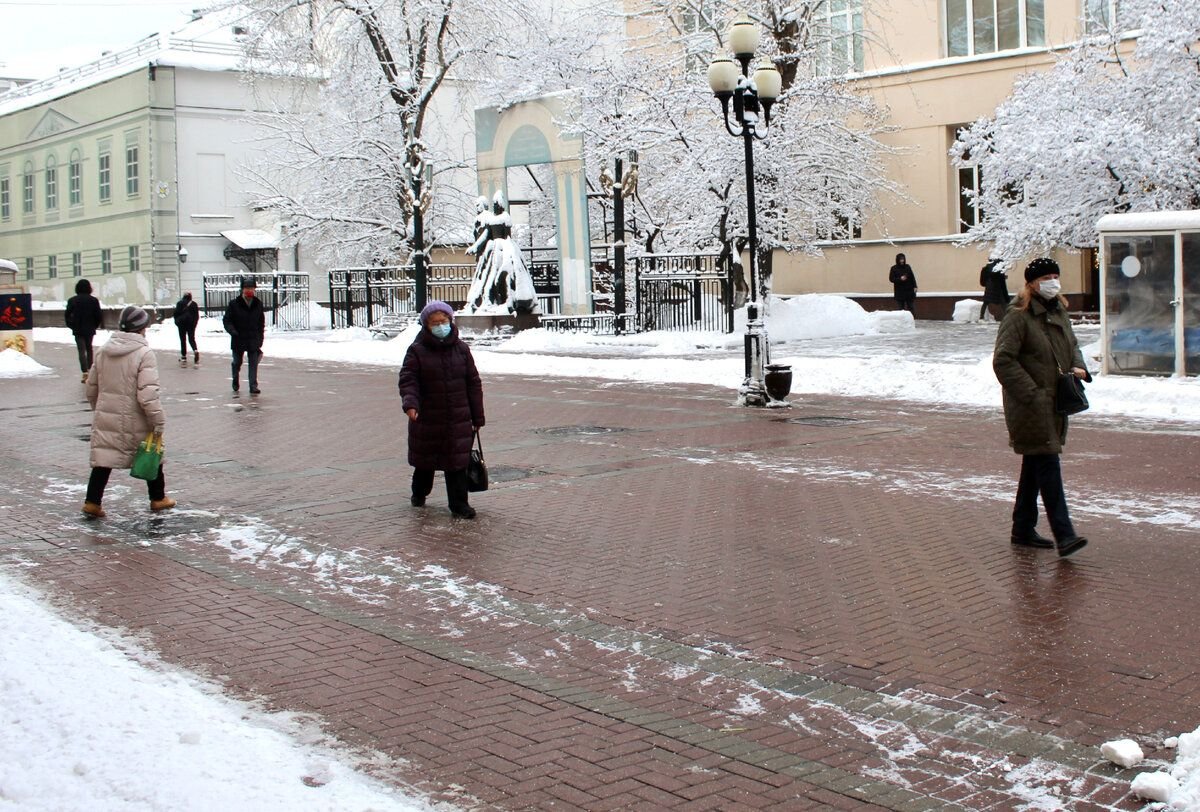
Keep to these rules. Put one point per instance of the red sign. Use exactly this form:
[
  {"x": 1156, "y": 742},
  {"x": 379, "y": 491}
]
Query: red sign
[{"x": 16, "y": 311}]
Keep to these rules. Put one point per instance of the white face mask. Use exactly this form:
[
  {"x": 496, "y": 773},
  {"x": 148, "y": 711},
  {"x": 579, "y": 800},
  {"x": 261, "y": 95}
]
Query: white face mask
[{"x": 1049, "y": 288}]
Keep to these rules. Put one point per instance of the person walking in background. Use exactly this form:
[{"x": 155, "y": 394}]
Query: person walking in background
[
  {"x": 904, "y": 284},
  {"x": 995, "y": 290},
  {"x": 246, "y": 323},
  {"x": 187, "y": 316},
  {"x": 442, "y": 395},
  {"x": 84, "y": 317},
  {"x": 123, "y": 392},
  {"x": 1033, "y": 345}
]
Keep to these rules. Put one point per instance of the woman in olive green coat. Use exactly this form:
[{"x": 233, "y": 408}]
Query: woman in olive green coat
[{"x": 1034, "y": 343}]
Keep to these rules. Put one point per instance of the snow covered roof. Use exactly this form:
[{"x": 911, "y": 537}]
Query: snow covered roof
[
  {"x": 1151, "y": 221},
  {"x": 205, "y": 43},
  {"x": 8, "y": 265},
  {"x": 251, "y": 238}
]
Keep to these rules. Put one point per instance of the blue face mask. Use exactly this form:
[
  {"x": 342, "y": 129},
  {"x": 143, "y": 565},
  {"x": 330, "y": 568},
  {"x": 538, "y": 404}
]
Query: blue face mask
[{"x": 440, "y": 330}]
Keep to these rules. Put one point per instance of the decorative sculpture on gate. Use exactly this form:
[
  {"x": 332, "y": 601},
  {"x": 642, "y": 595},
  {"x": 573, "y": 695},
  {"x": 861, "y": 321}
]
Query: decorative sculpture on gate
[{"x": 502, "y": 284}]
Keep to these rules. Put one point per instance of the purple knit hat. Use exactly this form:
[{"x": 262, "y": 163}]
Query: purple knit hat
[{"x": 434, "y": 307}]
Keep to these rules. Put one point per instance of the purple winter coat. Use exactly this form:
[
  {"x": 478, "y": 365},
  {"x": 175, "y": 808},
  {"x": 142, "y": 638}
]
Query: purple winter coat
[{"x": 440, "y": 381}]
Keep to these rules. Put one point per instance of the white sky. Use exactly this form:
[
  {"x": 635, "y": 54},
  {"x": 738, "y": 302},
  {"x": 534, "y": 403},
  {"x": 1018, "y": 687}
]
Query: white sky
[{"x": 41, "y": 36}]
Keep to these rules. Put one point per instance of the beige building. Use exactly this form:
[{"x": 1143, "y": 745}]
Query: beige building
[{"x": 937, "y": 65}]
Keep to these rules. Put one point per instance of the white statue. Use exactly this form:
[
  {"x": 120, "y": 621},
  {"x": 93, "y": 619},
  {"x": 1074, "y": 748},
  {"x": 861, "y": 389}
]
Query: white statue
[{"x": 502, "y": 284}]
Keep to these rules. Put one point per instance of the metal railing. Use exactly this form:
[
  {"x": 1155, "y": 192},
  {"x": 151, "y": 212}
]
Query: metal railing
[
  {"x": 285, "y": 296},
  {"x": 358, "y": 297},
  {"x": 682, "y": 292}
]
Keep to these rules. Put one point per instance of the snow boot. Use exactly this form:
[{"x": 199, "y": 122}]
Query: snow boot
[
  {"x": 94, "y": 510},
  {"x": 196, "y": 360},
  {"x": 166, "y": 503}
]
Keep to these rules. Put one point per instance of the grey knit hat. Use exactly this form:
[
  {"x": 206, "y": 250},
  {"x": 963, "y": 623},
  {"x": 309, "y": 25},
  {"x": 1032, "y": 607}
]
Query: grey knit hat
[{"x": 133, "y": 319}]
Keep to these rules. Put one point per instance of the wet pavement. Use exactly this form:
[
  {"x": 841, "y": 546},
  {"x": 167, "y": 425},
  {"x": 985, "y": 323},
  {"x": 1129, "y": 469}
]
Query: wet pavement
[{"x": 666, "y": 602}]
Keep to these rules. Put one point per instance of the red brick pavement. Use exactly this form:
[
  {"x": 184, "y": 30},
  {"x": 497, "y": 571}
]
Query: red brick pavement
[{"x": 666, "y": 602}]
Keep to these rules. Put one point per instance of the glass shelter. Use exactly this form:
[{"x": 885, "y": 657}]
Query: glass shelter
[{"x": 1150, "y": 293}]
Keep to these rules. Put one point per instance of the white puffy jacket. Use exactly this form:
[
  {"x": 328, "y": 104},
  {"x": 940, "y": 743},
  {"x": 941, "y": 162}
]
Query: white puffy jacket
[{"x": 123, "y": 390}]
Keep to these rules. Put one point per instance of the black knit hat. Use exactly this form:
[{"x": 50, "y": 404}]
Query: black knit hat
[
  {"x": 1042, "y": 266},
  {"x": 133, "y": 319},
  {"x": 248, "y": 282}
]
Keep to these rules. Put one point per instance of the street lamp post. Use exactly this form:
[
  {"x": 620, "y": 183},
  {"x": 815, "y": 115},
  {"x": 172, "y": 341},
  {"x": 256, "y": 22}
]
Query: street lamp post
[{"x": 749, "y": 96}]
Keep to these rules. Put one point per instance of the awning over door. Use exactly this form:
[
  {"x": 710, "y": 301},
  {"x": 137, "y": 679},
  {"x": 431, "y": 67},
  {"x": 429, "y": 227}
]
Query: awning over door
[{"x": 251, "y": 239}]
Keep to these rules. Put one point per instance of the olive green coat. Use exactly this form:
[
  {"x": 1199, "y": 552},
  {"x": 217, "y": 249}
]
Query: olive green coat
[{"x": 1031, "y": 347}]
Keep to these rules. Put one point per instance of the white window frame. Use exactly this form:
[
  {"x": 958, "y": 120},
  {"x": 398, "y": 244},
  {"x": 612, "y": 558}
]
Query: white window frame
[
  {"x": 75, "y": 180},
  {"x": 104, "y": 176},
  {"x": 105, "y": 260},
  {"x": 76, "y": 264},
  {"x": 51, "y": 184},
  {"x": 135, "y": 258},
  {"x": 28, "y": 207},
  {"x": 842, "y": 47},
  {"x": 132, "y": 170},
  {"x": 5, "y": 199},
  {"x": 52, "y": 266},
  {"x": 969, "y": 6}
]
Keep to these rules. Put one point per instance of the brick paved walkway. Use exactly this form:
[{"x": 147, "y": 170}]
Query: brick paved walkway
[{"x": 666, "y": 602}]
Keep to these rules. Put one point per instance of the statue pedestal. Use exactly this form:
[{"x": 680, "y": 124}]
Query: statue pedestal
[{"x": 482, "y": 323}]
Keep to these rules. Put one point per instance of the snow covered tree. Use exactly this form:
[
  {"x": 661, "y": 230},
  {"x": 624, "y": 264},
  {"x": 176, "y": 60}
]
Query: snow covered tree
[
  {"x": 1109, "y": 128},
  {"x": 349, "y": 157},
  {"x": 646, "y": 90}
]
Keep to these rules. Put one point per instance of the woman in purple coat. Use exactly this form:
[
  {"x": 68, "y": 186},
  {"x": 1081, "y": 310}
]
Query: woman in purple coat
[{"x": 442, "y": 395}]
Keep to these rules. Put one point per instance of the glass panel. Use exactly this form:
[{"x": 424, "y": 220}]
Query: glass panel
[
  {"x": 1139, "y": 284},
  {"x": 1008, "y": 24},
  {"x": 966, "y": 208},
  {"x": 1035, "y": 22},
  {"x": 984, "y": 16},
  {"x": 1191, "y": 302},
  {"x": 956, "y": 27},
  {"x": 858, "y": 42}
]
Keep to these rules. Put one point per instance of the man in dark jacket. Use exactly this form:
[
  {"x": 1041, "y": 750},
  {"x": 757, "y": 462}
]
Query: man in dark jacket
[
  {"x": 187, "y": 316},
  {"x": 995, "y": 290},
  {"x": 904, "y": 284},
  {"x": 84, "y": 317},
  {"x": 246, "y": 323}
]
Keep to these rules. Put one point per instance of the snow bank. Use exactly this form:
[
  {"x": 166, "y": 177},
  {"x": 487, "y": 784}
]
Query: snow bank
[
  {"x": 1178, "y": 788},
  {"x": 89, "y": 720},
  {"x": 16, "y": 364},
  {"x": 966, "y": 311}
]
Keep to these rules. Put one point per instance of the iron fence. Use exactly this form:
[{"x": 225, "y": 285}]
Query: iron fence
[
  {"x": 682, "y": 292},
  {"x": 285, "y": 296},
  {"x": 361, "y": 296}
]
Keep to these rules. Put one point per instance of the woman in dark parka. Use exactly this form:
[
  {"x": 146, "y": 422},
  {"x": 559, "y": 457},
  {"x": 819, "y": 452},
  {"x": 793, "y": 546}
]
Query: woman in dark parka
[
  {"x": 1034, "y": 343},
  {"x": 442, "y": 395}
]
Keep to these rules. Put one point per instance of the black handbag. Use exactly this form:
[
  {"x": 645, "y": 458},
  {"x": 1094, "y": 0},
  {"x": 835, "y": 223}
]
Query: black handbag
[
  {"x": 477, "y": 473},
  {"x": 1068, "y": 395}
]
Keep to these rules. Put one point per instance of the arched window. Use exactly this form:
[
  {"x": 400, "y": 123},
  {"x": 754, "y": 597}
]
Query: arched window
[
  {"x": 75, "y": 179},
  {"x": 27, "y": 188},
  {"x": 51, "y": 183}
]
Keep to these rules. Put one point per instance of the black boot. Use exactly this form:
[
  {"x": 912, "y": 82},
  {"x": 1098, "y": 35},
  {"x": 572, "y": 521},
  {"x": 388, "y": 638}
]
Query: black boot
[
  {"x": 1032, "y": 539},
  {"x": 1071, "y": 544}
]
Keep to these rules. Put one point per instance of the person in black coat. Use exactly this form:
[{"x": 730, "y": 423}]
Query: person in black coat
[
  {"x": 246, "y": 322},
  {"x": 995, "y": 290},
  {"x": 187, "y": 316},
  {"x": 84, "y": 317},
  {"x": 904, "y": 283},
  {"x": 442, "y": 395}
]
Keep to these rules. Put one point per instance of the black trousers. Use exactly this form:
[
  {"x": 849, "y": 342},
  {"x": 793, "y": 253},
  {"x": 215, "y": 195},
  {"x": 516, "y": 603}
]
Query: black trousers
[
  {"x": 186, "y": 334},
  {"x": 997, "y": 309},
  {"x": 1041, "y": 474},
  {"x": 98, "y": 481},
  {"x": 456, "y": 485},
  {"x": 83, "y": 346},
  {"x": 907, "y": 304},
  {"x": 252, "y": 356}
]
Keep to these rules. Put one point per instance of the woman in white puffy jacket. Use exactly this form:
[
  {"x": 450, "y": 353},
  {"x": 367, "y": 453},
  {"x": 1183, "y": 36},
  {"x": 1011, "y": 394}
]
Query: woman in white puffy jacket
[{"x": 122, "y": 388}]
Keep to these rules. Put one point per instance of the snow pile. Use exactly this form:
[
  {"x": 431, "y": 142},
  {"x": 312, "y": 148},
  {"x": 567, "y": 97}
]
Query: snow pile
[
  {"x": 349, "y": 334},
  {"x": 966, "y": 311},
  {"x": 1180, "y": 787},
  {"x": 93, "y": 723},
  {"x": 812, "y": 315},
  {"x": 1124, "y": 752},
  {"x": 16, "y": 364}
]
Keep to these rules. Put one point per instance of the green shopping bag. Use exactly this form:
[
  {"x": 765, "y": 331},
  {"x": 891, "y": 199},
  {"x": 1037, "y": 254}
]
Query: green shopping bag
[{"x": 148, "y": 458}]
